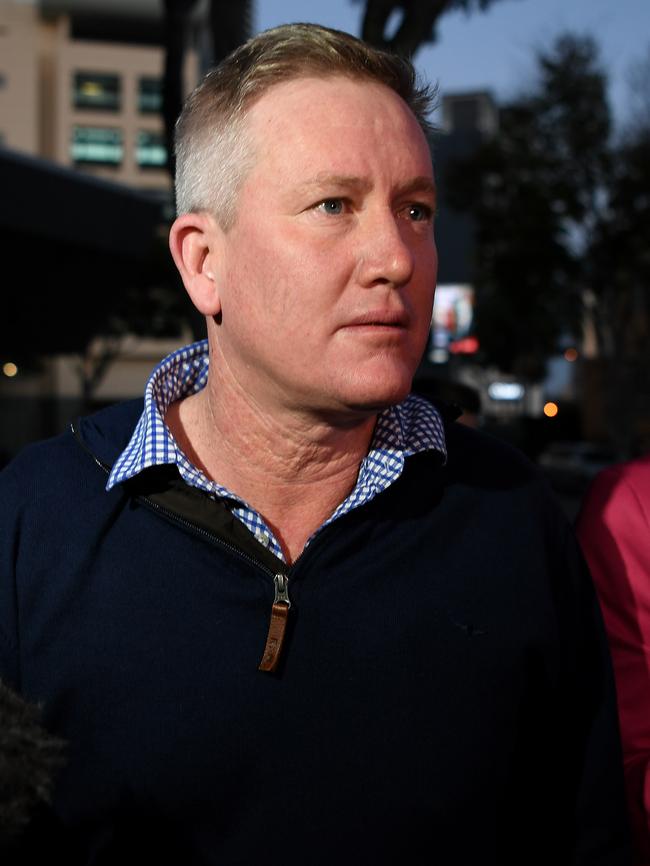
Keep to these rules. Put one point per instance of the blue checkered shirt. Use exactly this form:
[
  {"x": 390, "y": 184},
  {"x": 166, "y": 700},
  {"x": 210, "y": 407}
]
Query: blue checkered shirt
[{"x": 409, "y": 428}]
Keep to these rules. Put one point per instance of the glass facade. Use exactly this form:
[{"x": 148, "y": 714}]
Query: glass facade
[
  {"x": 149, "y": 95},
  {"x": 99, "y": 91},
  {"x": 105, "y": 145},
  {"x": 150, "y": 150},
  {"x": 97, "y": 145}
]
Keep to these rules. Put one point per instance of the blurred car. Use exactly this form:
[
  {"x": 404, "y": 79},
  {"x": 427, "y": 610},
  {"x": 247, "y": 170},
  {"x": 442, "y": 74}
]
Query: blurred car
[{"x": 570, "y": 466}]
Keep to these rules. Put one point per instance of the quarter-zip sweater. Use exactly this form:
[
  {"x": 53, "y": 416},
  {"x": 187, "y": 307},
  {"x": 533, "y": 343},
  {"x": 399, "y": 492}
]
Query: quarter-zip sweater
[{"x": 444, "y": 694}]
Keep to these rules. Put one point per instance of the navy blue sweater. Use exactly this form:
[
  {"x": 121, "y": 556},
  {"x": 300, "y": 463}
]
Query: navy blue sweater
[{"x": 444, "y": 694}]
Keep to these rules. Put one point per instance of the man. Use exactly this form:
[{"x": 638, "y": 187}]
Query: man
[{"x": 287, "y": 613}]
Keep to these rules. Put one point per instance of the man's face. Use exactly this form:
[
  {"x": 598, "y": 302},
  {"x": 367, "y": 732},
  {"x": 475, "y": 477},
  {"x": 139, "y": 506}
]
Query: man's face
[{"x": 326, "y": 278}]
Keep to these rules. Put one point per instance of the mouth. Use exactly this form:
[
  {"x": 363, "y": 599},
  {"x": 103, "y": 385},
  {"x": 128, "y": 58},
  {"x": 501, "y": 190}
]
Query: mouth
[{"x": 382, "y": 320}]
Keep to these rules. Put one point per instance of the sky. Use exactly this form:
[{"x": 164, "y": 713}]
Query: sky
[{"x": 495, "y": 50}]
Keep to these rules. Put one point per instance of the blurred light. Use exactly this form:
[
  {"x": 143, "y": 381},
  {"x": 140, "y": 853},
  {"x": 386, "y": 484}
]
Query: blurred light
[
  {"x": 10, "y": 369},
  {"x": 506, "y": 391},
  {"x": 91, "y": 88},
  {"x": 464, "y": 346},
  {"x": 571, "y": 355},
  {"x": 550, "y": 410},
  {"x": 439, "y": 356}
]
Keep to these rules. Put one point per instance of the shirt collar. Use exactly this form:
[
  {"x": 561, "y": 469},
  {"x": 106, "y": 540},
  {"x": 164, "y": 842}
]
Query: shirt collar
[{"x": 408, "y": 428}]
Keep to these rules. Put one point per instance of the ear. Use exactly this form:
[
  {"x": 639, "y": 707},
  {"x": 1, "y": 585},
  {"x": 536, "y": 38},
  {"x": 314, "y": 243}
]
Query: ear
[{"x": 193, "y": 241}]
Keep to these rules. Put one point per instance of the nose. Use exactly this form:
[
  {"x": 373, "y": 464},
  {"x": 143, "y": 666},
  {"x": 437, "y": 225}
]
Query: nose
[{"x": 385, "y": 251}]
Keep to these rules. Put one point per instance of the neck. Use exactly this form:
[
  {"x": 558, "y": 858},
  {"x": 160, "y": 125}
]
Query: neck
[{"x": 294, "y": 468}]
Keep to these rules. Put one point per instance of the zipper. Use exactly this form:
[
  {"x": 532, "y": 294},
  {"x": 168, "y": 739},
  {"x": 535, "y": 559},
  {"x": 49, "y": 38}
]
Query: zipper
[
  {"x": 277, "y": 626},
  {"x": 281, "y": 602}
]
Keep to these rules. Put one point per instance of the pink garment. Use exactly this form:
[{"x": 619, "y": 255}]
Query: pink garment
[{"x": 614, "y": 531}]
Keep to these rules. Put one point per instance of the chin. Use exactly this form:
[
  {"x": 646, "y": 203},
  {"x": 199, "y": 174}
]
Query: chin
[{"x": 379, "y": 390}]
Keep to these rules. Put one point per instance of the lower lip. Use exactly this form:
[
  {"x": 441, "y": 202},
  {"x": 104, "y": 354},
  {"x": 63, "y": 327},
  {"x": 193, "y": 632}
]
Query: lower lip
[
  {"x": 373, "y": 327},
  {"x": 377, "y": 335}
]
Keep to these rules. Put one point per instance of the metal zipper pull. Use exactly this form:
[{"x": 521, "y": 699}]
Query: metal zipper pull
[{"x": 278, "y": 624}]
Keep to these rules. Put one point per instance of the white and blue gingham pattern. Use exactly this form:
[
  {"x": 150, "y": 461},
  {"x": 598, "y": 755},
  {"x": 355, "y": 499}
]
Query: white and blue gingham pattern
[{"x": 411, "y": 427}]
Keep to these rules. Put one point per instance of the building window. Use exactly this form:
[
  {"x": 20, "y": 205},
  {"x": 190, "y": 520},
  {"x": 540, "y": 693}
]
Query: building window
[
  {"x": 3, "y": 80},
  {"x": 150, "y": 95},
  {"x": 150, "y": 150},
  {"x": 97, "y": 145},
  {"x": 97, "y": 91}
]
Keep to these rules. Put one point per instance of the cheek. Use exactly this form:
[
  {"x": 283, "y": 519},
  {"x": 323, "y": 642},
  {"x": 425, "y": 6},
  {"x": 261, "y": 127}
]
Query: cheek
[
  {"x": 272, "y": 302},
  {"x": 426, "y": 268},
  {"x": 284, "y": 281},
  {"x": 299, "y": 281},
  {"x": 429, "y": 254},
  {"x": 422, "y": 294}
]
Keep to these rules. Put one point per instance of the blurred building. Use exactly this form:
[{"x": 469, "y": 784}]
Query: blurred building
[
  {"x": 81, "y": 85},
  {"x": 40, "y": 402},
  {"x": 509, "y": 406},
  {"x": 468, "y": 119},
  {"x": 86, "y": 194}
]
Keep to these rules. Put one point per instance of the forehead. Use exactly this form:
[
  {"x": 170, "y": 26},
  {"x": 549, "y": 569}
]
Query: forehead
[{"x": 331, "y": 123}]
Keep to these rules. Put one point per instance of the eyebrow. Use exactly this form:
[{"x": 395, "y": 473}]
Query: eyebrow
[
  {"x": 330, "y": 182},
  {"x": 325, "y": 182},
  {"x": 422, "y": 184}
]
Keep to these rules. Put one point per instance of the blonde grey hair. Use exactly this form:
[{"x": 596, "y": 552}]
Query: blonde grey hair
[{"x": 213, "y": 151}]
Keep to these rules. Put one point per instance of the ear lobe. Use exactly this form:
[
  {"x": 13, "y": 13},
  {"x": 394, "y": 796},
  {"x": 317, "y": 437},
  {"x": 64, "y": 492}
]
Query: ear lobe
[{"x": 193, "y": 241}]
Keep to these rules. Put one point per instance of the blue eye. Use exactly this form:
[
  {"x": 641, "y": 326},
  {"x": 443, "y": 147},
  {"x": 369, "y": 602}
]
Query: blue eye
[
  {"x": 332, "y": 206},
  {"x": 419, "y": 212}
]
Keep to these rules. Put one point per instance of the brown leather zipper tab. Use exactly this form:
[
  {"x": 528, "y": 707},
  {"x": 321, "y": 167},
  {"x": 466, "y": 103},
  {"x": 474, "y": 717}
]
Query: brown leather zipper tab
[
  {"x": 277, "y": 626},
  {"x": 275, "y": 637}
]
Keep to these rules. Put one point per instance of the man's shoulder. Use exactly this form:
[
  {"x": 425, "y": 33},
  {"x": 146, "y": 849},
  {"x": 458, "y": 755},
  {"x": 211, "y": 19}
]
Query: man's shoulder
[
  {"x": 479, "y": 457},
  {"x": 56, "y": 464},
  {"x": 106, "y": 433},
  {"x": 487, "y": 476}
]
